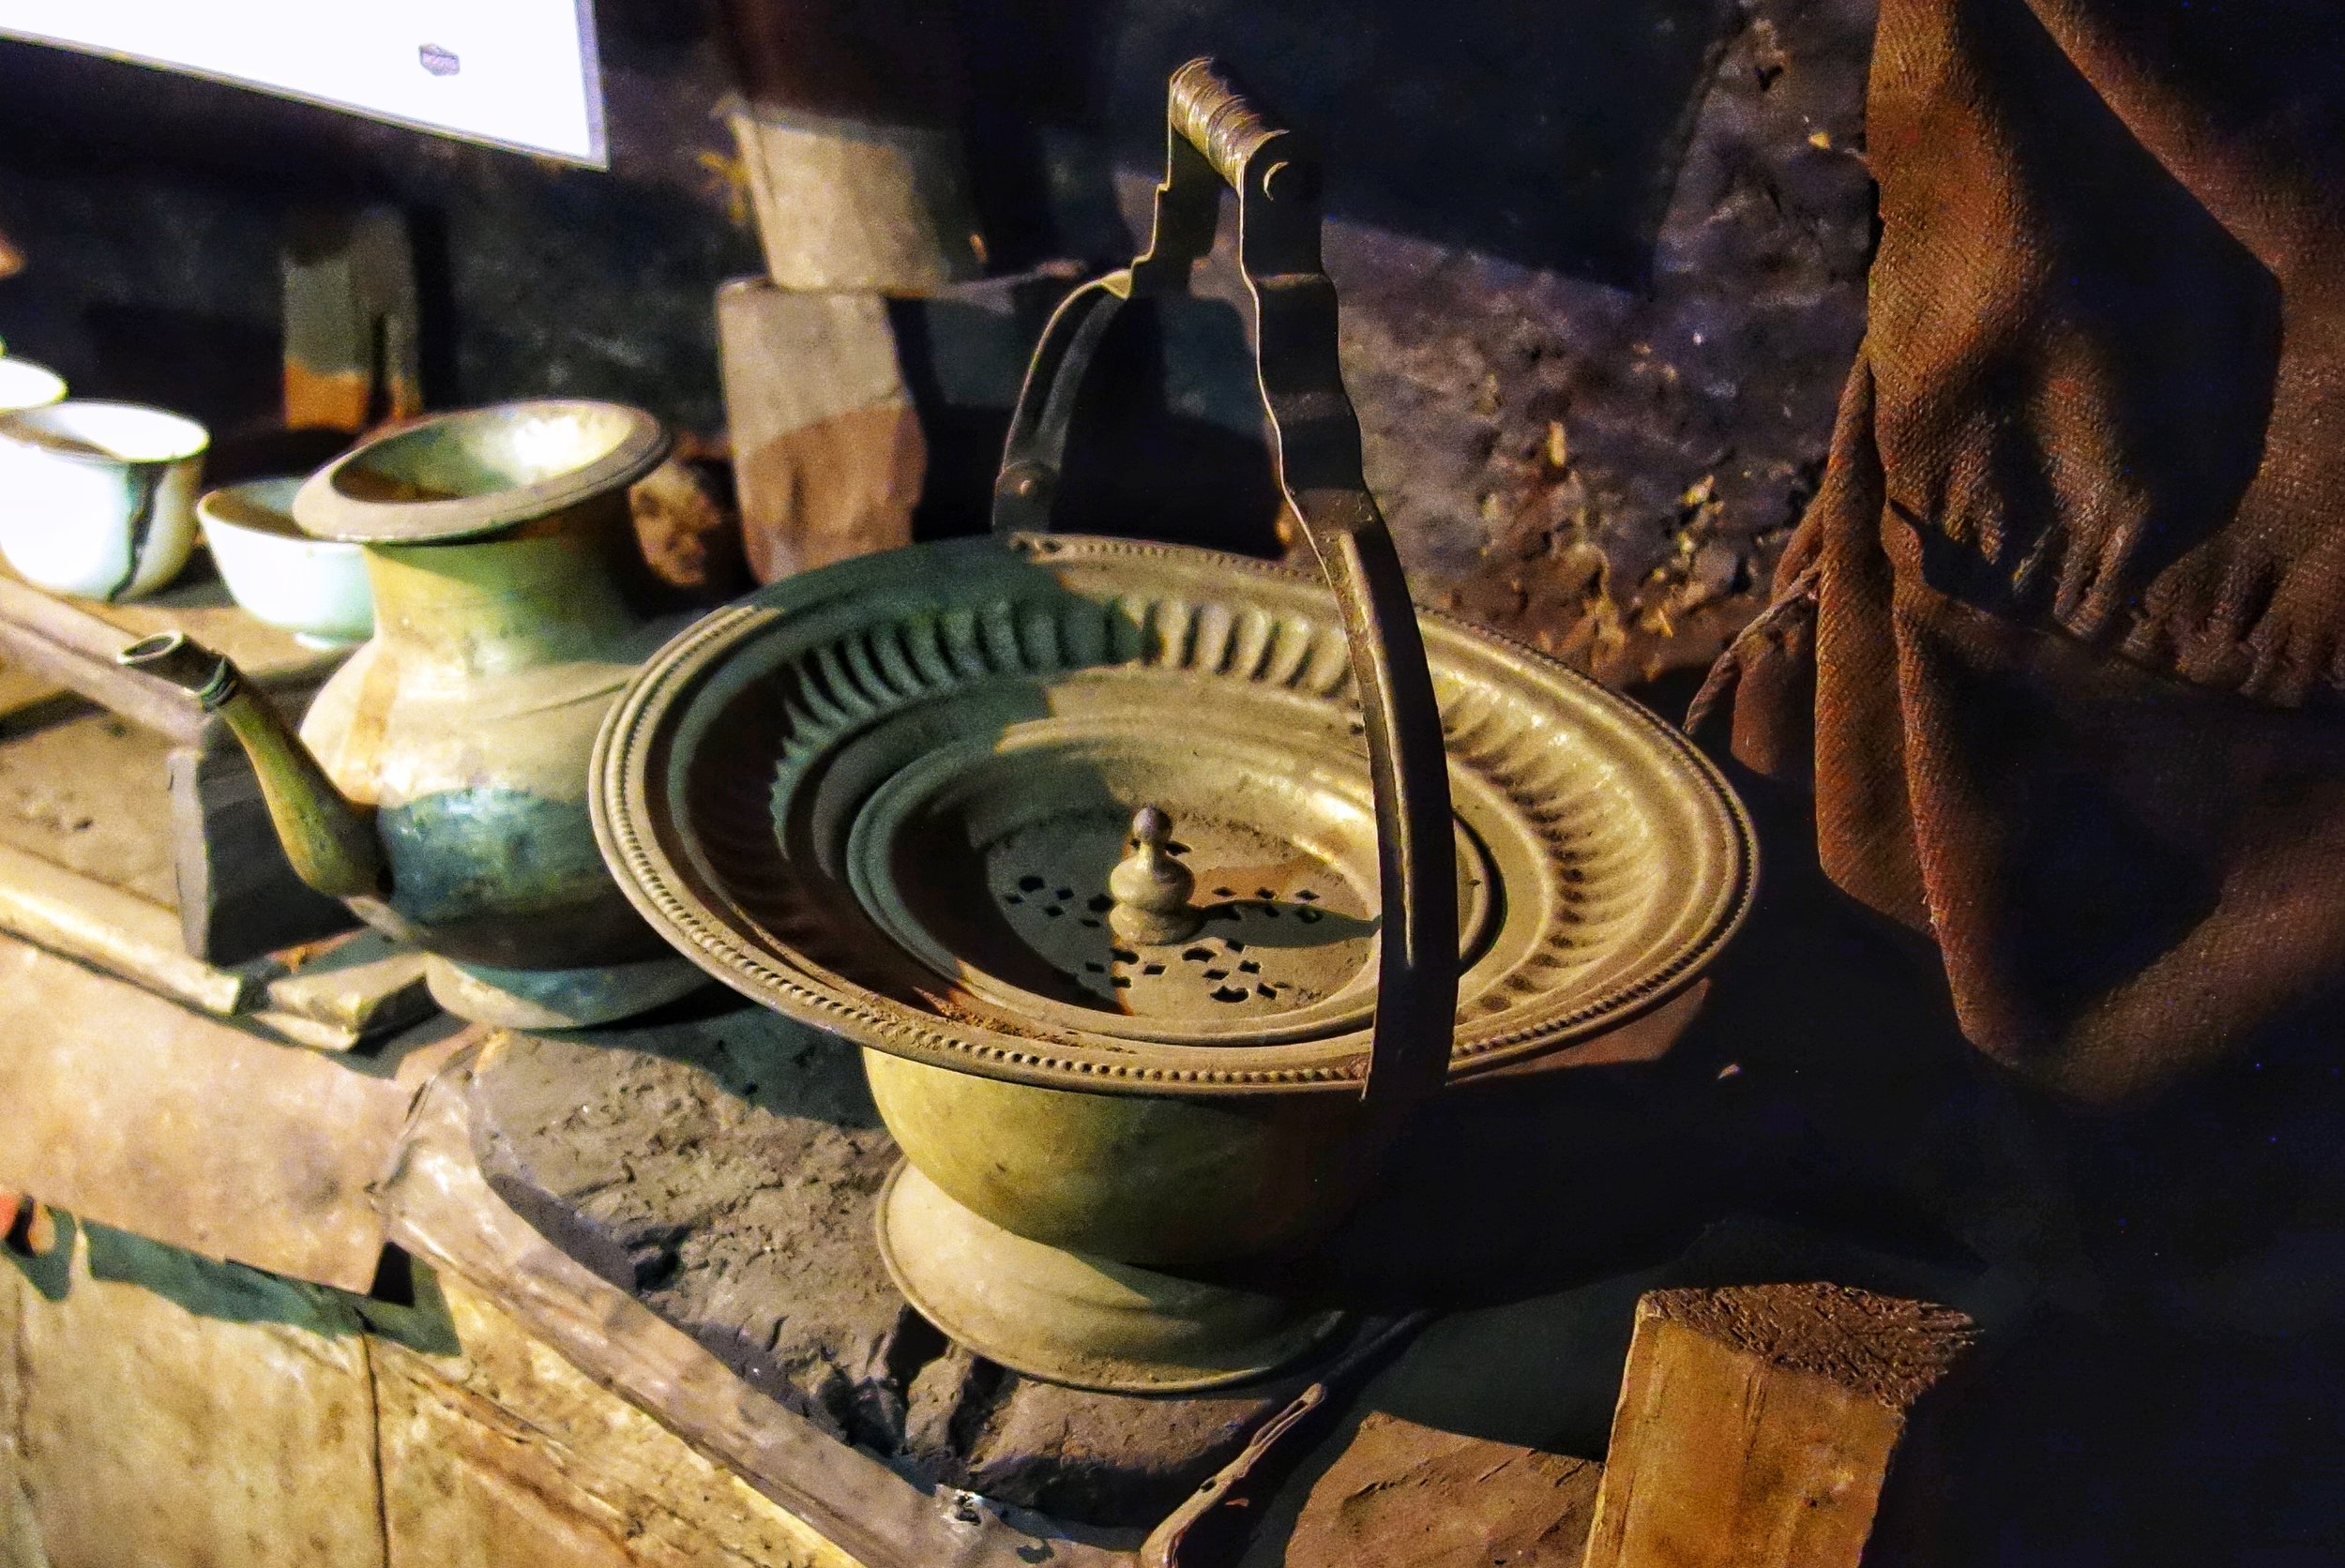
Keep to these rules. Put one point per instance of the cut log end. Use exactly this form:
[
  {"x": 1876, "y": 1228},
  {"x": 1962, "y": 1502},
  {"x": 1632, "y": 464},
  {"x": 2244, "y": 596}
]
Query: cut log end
[{"x": 1885, "y": 1349}]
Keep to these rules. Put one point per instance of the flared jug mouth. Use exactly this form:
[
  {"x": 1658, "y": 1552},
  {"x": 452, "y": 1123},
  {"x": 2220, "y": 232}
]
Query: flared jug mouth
[{"x": 479, "y": 471}]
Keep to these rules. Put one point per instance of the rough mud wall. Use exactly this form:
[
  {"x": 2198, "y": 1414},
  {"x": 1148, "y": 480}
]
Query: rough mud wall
[{"x": 1609, "y": 474}]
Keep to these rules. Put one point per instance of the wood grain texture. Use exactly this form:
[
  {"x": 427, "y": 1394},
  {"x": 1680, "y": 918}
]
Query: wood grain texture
[
  {"x": 1405, "y": 1495},
  {"x": 158, "y": 1407},
  {"x": 142, "y": 1114},
  {"x": 849, "y": 131},
  {"x": 117, "y": 931},
  {"x": 73, "y": 643},
  {"x": 82, "y": 852},
  {"x": 503, "y": 1455},
  {"x": 345, "y": 991},
  {"x": 66, "y": 644},
  {"x": 236, "y": 892},
  {"x": 439, "y": 1206},
  {"x": 842, "y": 204},
  {"x": 162, "y": 1409},
  {"x": 1758, "y": 1425}
]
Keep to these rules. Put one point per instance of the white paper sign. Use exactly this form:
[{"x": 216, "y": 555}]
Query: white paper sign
[{"x": 516, "y": 73}]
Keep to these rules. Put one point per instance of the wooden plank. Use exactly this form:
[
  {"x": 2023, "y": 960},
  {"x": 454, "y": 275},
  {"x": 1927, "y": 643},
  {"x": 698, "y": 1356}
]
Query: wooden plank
[
  {"x": 164, "y": 1410},
  {"x": 343, "y": 993},
  {"x": 65, "y": 643},
  {"x": 73, "y": 644},
  {"x": 502, "y": 1453},
  {"x": 117, "y": 931},
  {"x": 1756, "y": 1424},
  {"x": 851, "y": 144},
  {"x": 333, "y": 996},
  {"x": 841, "y": 205},
  {"x": 120, "y": 1106},
  {"x": 439, "y": 1207},
  {"x": 827, "y": 452},
  {"x": 236, "y": 892},
  {"x": 1397, "y": 1494}
]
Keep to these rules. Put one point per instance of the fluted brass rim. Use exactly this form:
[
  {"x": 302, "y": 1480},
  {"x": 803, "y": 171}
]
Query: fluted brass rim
[{"x": 759, "y": 697}]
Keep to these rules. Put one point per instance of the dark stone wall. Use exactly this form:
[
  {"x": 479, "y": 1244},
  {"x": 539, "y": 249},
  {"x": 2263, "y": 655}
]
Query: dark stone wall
[
  {"x": 148, "y": 205},
  {"x": 1602, "y": 262}
]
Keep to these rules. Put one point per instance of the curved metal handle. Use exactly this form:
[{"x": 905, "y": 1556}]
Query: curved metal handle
[{"x": 1215, "y": 134}]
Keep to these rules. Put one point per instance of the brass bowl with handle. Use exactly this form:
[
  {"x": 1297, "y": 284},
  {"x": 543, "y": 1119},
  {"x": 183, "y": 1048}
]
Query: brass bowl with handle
[{"x": 1160, "y": 885}]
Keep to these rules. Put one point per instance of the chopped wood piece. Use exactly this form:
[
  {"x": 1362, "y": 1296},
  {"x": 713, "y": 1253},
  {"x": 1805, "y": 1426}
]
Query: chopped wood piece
[
  {"x": 346, "y": 992},
  {"x": 827, "y": 454},
  {"x": 843, "y": 205},
  {"x": 237, "y": 893},
  {"x": 238, "y": 896},
  {"x": 1757, "y": 1425},
  {"x": 1400, "y": 1495},
  {"x": 850, "y": 141},
  {"x": 352, "y": 355}
]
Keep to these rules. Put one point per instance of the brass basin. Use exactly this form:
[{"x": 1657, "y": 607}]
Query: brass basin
[
  {"x": 1160, "y": 886},
  {"x": 884, "y": 797}
]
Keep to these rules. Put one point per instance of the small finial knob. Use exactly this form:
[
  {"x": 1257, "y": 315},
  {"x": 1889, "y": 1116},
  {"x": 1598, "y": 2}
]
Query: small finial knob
[{"x": 1150, "y": 888}]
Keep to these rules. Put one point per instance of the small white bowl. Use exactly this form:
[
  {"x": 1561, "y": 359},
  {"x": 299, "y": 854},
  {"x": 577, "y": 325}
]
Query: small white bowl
[
  {"x": 25, "y": 384},
  {"x": 97, "y": 499},
  {"x": 316, "y": 589}
]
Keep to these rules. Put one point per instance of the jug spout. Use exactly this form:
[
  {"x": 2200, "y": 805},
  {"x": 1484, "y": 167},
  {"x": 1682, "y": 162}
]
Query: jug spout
[{"x": 329, "y": 839}]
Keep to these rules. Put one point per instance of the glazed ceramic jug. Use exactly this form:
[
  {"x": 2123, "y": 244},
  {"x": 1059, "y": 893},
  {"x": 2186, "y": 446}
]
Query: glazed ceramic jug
[{"x": 438, "y": 783}]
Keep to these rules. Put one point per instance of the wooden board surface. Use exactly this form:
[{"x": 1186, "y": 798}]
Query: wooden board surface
[
  {"x": 160, "y": 1408},
  {"x": 142, "y": 1114},
  {"x": 156, "y": 1411},
  {"x": 84, "y": 790},
  {"x": 439, "y": 1207},
  {"x": 501, "y": 1453},
  {"x": 76, "y": 781}
]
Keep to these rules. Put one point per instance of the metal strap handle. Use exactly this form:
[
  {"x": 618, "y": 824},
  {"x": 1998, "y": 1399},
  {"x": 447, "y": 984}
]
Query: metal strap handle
[{"x": 1215, "y": 134}]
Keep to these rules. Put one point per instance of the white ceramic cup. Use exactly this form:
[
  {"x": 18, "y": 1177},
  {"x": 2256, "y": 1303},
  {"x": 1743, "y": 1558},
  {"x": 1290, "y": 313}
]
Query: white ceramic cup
[
  {"x": 97, "y": 499},
  {"x": 25, "y": 384},
  {"x": 316, "y": 589}
]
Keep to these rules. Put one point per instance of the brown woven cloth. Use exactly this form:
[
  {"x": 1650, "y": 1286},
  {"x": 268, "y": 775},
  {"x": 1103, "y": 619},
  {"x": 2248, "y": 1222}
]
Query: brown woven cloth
[{"x": 2049, "y": 688}]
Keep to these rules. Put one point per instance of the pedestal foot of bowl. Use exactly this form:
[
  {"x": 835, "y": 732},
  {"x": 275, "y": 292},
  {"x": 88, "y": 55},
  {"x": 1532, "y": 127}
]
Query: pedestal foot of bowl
[{"x": 1079, "y": 1320}]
